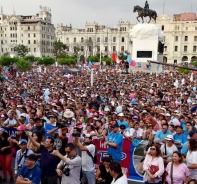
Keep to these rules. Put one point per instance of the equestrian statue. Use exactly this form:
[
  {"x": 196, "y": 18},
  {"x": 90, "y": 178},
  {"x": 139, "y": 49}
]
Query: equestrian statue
[{"x": 145, "y": 12}]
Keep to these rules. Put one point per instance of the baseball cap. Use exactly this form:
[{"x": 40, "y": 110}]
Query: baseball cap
[
  {"x": 122, "y": 127},
  {"x": 121, "y": 114},
  {"x": 23, "y": 141},
  {"x": 191, "y": 133},
  {"x": 167, "y": 114},
  {"x": 32, "y": 157},
  {"x": 88, "y": 136},
  {"x": 106, "y": 109},
  {"x": 115, "y": 125},
  {"x": 23, "y": 115},
  {"x": 21, "y": 127},
  {"x": 169, "y": 138}
]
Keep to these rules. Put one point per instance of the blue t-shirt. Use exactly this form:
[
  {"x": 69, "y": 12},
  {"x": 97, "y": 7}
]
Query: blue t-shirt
[
  {"x": 161, "y": 135},
  {"x": 181, "y": 139},
  {"x": 184, "y": 149},
  {"x": 116, "y": 153},
  {"x": 33, "y": 174}
]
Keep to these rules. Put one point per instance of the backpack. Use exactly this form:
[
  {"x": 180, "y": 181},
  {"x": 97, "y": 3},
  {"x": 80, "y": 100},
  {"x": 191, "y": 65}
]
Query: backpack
[{"x": 95, "y": 158}]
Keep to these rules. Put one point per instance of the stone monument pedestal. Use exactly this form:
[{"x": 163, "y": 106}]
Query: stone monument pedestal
[{"x": 146, "y": 38}]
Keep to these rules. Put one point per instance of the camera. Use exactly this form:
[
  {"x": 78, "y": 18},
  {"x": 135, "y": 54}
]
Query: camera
[
  {"x": 66, "y": 170},
  {"x": 76, "y": 134}
]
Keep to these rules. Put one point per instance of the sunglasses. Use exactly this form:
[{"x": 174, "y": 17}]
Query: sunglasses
[{"x": 68, "y": 152}]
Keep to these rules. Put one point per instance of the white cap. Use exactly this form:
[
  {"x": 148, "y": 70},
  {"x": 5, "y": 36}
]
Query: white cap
[
  {"x": 121, "y": 114},
  {"x": 169, "y": 138}
]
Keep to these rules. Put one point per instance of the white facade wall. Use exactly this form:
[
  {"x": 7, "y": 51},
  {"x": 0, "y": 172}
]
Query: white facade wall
[
  {"x": 180, "y": 39},
  {"x": 35, "y": 32},
  {"x": 111, "y": 39}
]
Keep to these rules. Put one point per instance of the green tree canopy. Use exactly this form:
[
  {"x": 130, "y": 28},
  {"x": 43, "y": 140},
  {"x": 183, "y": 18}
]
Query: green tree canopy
[
  {"x": 107, "y": 60},
  {"x": 30, "y": 58},
  {"x": 46, "y": 61},
  {"x": 94, "y": 59},
  {"x": 23, "y": 65},
  {"x": 59, "y": 48},
  {"x": 7, "y": 60},
  {"x": 66, "y": 61},
  {"x": 22, "y": 50}
]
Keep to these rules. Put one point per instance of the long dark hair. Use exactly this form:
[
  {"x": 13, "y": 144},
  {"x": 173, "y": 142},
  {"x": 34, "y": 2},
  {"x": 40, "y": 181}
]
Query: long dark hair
[
  {"x": 193, "y": 144},
  {"x": 179, "y": 155}
]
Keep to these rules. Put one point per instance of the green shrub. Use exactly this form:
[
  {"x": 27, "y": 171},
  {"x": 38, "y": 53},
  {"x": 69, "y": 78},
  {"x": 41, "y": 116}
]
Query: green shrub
[
  {"x": 46, "y": 61},
  {"x": 23, "y": 65}
]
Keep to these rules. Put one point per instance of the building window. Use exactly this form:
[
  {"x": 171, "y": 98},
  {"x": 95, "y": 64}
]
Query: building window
[
  {"x": 122, "y": 48},
  {"x": 114, "y": 39},
  {"x": 122, "y": 39},
  {"x": 28, "y": 27},
  {"x": 162, "y": 27},
  {"x": 34, "y": 34},
  {"x": 196, "y": 28},
  {"x": 28, "y": 34},
  {"x": 28, "y": 41},
  {"x": 106, "y": 39},
  {"x": 186, "y": 38},
  {"x": 90, "y": 39},
  {"x": 82, "y": 39},
  {"x": 195, "y": 38},
  {"x": 67, "y": 48},
  {"x": 176, "y": 48},
  {"x": 176, "y": 38},
  {"x": 98, "y": 39},
  {"x": 185, "y": 48},
  {"x": 106, "y": 48},
  {"x": 34, "y": 41},
  {"x": 75, "y": 39},
  {"x": 67, "y": 39},
  {"x": 165, "y": 48},
  {"x": 82, "y": 48},
  {"x": 194, "y": 48},
  {"x": 98, "y": 48},
  {"x": 10, "y": 28},
  {"x": 34, "y": 49},
  {"x": 90, "y": 48},
  {"x": 114, "y": 48},
  {"x": 29, "y": 50},
  {"x": 186, "y": 28},
  {"x": 175, "y": 61},
  {"x": 75, "y": 48}
]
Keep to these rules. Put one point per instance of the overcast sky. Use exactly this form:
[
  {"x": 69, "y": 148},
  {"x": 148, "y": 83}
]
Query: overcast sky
[{"x": 105, "y": 12}]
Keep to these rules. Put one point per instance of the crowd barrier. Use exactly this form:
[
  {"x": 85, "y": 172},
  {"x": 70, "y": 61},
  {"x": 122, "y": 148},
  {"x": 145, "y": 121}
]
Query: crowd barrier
[{"x": 131, "y": 155}]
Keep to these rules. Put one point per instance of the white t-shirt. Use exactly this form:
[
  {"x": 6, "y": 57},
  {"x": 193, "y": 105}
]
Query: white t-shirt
[
  {"x": 121, "y": 180},
  {"x": 10, "y": 122},
  {"x": 87, "y": 162},
  {"x": 139, "y": 132},
  {"x": 191, "y": 158},
  {"x": 169, "y": 150}
]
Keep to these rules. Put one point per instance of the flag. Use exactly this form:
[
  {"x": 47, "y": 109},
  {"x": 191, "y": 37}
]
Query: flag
[
  {"x": 90, "y": 64},
  {"x": 114, "y": 57},
  {"x": 49, "y": 127},
  {"x": 125, "y": 54},
  {"x": 158, "y": 66},
  {"x": 183, "y": 81},
  {"x": 192, "y": 77},
  {"x": 129, "y": 59},
  {"x": 133, "y": 63},
  {"x": 176, "y": 83}
]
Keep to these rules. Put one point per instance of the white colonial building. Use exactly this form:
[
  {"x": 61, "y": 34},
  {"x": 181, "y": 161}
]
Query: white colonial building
[
  {"x": 180, "y": 37},
  {"x": 96, "y": 38},
  {"x": 36, "y": 32}
]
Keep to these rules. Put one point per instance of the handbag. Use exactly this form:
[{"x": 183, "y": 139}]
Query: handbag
[{"x": 153, "y": 169}]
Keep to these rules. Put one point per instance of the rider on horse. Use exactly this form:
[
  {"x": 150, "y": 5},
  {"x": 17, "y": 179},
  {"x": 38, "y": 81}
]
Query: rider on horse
[{"x": 146, "y": 7}]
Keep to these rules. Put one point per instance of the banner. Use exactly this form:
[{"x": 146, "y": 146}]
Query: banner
[
  {"x": 131, "y": 157},
  {"x": 12, "y": 132}
]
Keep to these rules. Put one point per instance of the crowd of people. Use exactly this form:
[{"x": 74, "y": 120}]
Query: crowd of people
[{"x": 49, "y": 121}]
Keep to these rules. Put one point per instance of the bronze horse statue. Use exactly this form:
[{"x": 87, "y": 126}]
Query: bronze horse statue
[{"x": 145, "y": 13}]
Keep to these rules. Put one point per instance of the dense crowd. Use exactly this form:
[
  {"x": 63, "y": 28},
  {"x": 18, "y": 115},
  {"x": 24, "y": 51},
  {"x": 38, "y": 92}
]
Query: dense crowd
[{"x": 49, "y": 121}]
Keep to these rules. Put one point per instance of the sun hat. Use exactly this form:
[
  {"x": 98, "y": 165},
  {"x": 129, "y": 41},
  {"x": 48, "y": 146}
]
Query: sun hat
[
  {"x": 21, "y": 127},
  {"x": 68, "y": 114}
]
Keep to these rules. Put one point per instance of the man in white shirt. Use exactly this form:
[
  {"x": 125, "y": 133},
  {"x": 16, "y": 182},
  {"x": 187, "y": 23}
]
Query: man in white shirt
[
  {"x": 116, "y": 173},
  {"x": 87, "y": 160},
  {"x": 135, "y": 132}
]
